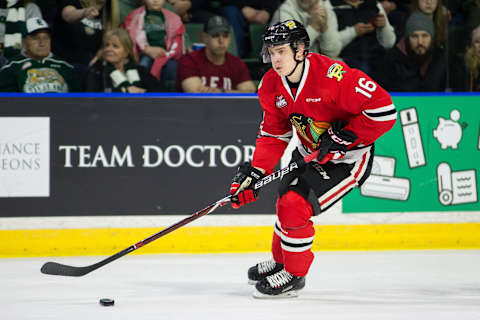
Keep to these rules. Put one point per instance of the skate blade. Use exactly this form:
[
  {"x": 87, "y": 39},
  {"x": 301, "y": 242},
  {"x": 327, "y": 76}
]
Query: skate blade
[
  {"x": 286, "y": 295},
  {"x": 252, "y": 282}
]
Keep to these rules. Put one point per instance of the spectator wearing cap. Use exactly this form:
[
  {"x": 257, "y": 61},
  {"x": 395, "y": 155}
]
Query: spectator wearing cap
[
  {"x": 415, "y": 63},
  {"x": 212, "y": 69},
  {"x": 36, "y": 69},
  {"x": 13, "y": 14}
]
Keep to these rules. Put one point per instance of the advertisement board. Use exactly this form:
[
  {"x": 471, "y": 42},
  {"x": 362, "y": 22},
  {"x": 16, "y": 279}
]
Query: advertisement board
[
  {"x": 123, "y": 156},
  {"x": 429, "y": 161}
]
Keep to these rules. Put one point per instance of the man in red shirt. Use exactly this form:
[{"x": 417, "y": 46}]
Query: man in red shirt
[
  {"x": 333, "y": 108},
  {"x": 212, "y": 69}
]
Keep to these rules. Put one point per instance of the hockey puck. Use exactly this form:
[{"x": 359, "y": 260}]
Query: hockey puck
[{"x": 107, "y": 302}]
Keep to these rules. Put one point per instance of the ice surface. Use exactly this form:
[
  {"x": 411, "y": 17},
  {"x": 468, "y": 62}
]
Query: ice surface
[{"x": 341, "y": 285}]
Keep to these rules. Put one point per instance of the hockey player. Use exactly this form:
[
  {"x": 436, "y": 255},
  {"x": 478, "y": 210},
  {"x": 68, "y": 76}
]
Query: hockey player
[{"x": 333, "y": 108}]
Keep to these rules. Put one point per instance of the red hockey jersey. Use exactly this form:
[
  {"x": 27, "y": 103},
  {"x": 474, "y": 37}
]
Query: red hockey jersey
[{"x": 329, "y": 90}]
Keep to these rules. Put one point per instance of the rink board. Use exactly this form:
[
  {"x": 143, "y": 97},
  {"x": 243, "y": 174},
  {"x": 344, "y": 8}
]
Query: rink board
[
  {"x": 92, "y": 157},
  {"x": 229, "y": 239}
]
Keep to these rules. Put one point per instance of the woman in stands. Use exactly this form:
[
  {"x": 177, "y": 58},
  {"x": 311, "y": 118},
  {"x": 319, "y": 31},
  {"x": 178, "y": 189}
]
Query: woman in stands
[{"x": 116, "y": 69}]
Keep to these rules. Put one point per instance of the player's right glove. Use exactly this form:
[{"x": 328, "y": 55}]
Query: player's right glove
[
  {"x": 334, "y": 142},
  {"x": 242, "y": 190}
]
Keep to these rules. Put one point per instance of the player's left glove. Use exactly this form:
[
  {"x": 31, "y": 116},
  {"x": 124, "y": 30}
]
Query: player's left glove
[
  {"x": 242, "y": 185},
  {"x": 334, "y": 142}
]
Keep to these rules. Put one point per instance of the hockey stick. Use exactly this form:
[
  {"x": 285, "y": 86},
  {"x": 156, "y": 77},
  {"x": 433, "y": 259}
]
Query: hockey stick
[{"x": 54, "y": 268}]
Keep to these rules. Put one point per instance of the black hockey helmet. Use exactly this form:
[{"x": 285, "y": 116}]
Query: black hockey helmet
[{"x": 289, "y": 31}]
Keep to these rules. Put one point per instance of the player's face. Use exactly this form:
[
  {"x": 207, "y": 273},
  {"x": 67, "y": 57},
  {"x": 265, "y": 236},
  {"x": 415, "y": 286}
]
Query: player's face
[
  {"x": 218, "y": 43},
  {"x": 113, "y": 51},
  {"x": 427, "y": 6},
  {"x": 282, "y": 59},
  {"x": 420, "y": 42},
  {"x": 154, "y": 5},
  {"x": 38, "y": 45}
]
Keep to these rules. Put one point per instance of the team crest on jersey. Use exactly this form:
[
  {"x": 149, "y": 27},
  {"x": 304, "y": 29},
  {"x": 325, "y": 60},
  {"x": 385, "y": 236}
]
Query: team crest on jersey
[
  {"x": 308, "y": 128},
  {"x": 336, "y": 71},
  {"x": 280, "y": 101}
]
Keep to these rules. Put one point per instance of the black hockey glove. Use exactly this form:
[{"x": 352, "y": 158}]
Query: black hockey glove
[
  {"x": 334, "y": 142},
  {"x": 242, "y": 185}
]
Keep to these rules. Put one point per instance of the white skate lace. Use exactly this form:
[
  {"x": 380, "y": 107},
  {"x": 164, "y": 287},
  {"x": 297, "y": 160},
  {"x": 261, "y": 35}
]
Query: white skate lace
[
  {"x": 266, "y": 266},
  {"x": 279, "y": 279}
]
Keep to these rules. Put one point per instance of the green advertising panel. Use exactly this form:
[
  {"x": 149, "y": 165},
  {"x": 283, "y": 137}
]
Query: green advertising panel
[{"x": 429, "y": 161}]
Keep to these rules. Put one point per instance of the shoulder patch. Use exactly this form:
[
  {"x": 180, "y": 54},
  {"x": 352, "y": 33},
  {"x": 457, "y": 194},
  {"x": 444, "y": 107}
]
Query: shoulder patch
[{"x": 336, "y": 71}]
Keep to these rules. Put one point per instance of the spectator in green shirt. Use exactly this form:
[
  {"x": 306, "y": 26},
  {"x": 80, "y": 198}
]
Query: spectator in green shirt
[{"x": 36, "y": 69}]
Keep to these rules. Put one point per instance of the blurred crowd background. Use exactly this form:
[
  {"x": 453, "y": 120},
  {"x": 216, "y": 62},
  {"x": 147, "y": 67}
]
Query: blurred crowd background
[{"x": 214, "y": 46}]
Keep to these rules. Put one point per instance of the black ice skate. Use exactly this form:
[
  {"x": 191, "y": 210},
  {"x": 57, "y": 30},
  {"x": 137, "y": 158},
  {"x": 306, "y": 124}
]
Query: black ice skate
[
  {"x": 262, "y": 270},
  {"x": 279, "y": 285}
]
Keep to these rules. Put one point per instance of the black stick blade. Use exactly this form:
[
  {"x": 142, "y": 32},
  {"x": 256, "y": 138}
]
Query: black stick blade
[{"x": 59, "y": 269}]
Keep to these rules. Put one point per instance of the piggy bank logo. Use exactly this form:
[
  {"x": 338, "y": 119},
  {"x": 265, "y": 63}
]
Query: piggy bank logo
[{"x": 449, "y": 132}]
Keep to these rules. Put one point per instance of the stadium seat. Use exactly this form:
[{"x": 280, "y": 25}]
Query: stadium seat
[
  {"x": 256, "y": 31},
  {"x": 253, "y": 60},
  {"x": 194, "y": 32}
]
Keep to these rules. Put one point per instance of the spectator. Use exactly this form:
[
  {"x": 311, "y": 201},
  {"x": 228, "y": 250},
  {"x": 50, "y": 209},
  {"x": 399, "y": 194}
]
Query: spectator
[
  {"x": 415, "y": 64},
  {"x": 439, "y": 15},
  {"x": 242, "y": 13},
  {"x": 36, "y": 69},
  {"x": 157, "y": 34},
  {"x": 466, "y": 75},
  {"x": 472, "y": 62},
  {"x": 212, "y": 69},
  {"x": 319, "y": 19},
  {"x": 13, "y": 15},
  {"x": 365, "y": 32},
  {"x": 78, "y": 30},
  {"x": 116, "y": 68}
]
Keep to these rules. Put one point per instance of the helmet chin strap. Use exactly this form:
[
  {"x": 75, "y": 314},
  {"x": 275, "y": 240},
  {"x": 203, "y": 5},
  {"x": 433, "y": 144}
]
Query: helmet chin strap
[{"x": 297, "y": 62}]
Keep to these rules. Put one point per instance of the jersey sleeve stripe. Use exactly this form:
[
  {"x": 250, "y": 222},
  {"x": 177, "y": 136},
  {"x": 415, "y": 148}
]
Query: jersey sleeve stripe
[
  {"x": 284, "y": 137},
  {"x": 381, "y": 109},
  {"x": 387, "y": 117},
  {"x": 386, "y": 113}
]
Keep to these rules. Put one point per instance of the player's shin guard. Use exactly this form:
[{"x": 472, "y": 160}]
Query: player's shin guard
[{"x": 296, "y": 232}]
